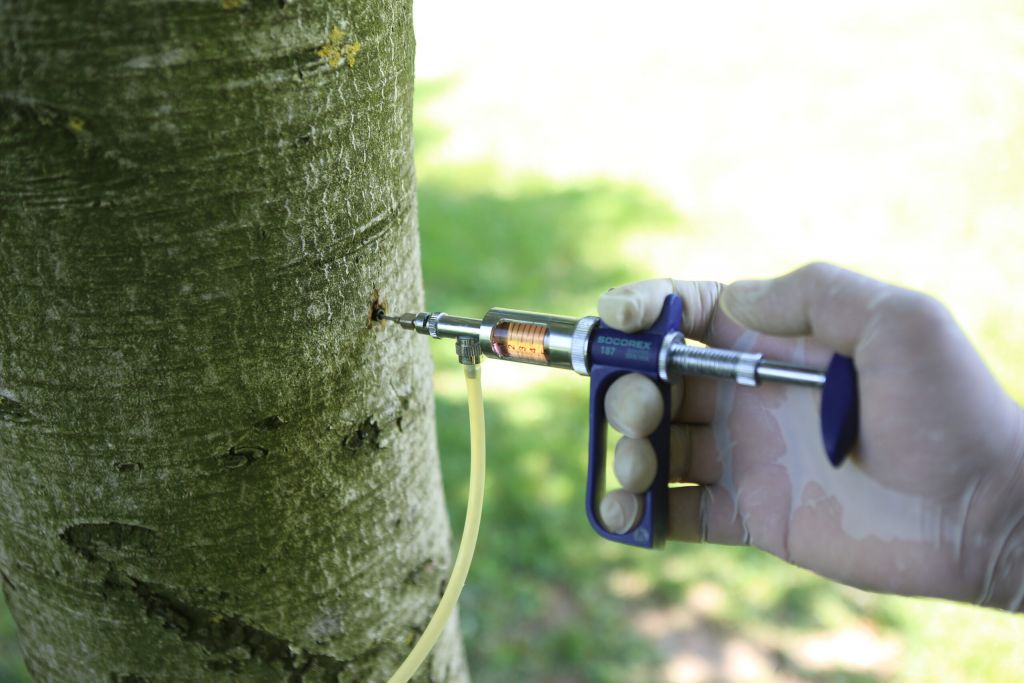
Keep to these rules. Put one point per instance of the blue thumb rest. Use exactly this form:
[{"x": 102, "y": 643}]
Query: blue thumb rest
[{"x": 840, "y": 409}]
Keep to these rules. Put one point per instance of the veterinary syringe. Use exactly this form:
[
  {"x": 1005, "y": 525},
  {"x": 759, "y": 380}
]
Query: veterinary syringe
[
  {"x": 593, "y": 348},
  {"x": 562, "y": 342}
]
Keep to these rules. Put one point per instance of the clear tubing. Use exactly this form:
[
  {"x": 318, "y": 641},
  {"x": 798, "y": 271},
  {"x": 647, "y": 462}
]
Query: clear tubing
[{"x": 474, "y": 509}]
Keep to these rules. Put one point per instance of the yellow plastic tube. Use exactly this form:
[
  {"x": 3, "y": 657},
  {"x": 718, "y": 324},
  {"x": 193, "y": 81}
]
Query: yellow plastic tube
[{"x": 474, "y": 509}]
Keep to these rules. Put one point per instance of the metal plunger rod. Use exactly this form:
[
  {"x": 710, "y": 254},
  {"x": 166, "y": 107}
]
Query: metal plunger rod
[
  {"x": 787, "y": 373},
  {"x": 745, "y": 368}
]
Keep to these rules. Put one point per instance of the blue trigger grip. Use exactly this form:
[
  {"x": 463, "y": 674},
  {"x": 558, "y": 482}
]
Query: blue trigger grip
[
  {"x": 612, "y": 355},
  {"x": 840, "y": 409}
]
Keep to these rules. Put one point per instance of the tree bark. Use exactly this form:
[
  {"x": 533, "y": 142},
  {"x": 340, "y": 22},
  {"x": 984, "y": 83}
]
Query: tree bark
[{"x": 212, "y": 466}]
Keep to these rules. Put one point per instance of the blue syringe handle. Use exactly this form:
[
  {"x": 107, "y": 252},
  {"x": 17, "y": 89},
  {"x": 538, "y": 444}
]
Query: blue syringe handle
[
  {"x": 840, "y": 409},
  {"x": 613, "y": 354}
]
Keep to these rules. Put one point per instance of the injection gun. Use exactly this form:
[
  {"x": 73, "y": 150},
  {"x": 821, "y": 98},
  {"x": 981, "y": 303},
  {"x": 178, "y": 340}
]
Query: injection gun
[{"x": 592, "y": 348}]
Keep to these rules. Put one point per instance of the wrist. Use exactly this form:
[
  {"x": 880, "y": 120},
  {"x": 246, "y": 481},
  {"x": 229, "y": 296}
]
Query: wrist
[{"x": 1002, "y": 581}]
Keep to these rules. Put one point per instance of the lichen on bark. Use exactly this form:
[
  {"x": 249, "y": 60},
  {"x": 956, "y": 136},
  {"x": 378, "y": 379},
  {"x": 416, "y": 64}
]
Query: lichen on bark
[{"x": 211, "y": 468}]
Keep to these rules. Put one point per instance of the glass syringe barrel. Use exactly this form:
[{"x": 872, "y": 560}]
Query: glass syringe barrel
[
  {"x": 563, "y": 342},
  {"x": 526, "y": 337}
]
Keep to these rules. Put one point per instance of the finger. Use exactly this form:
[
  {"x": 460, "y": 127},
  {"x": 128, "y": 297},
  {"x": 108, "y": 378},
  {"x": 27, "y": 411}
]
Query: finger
[
  {"x": 635, "y": 464},
  {"x": 705, "y": 514},
  {"x": 820, "y": 300},
  {"x": 636, "y": 306},
  {"x": 696, "y": 401},
  {"x": 685, "y": 521},
  {"x": 633, "y": 405},
  {"x": 620, "y": 511},
  {"x": 694, "y": 455},
  {"x": 677, "y": 391}
]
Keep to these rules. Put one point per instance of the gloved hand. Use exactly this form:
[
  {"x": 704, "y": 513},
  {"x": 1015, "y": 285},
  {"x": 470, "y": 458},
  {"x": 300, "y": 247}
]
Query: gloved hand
[{"x": 931, "y": 501}]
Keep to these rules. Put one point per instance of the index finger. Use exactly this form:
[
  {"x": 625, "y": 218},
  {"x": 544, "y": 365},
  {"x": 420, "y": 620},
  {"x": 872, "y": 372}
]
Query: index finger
[{"x": 636, "y": 306}]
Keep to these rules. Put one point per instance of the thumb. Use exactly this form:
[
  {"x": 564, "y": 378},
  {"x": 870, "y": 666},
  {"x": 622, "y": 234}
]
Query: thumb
[
  {"x": 636, "y": 306},
  {"x": 820, "y": 300}
]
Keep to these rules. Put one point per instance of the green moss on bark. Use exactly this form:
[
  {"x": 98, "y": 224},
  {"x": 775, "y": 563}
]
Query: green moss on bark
[{"x": 211, "y": 468}]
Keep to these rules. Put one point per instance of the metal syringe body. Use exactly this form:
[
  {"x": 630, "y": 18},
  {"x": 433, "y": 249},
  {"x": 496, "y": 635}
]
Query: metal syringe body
[{"x": 563, "y": 342}]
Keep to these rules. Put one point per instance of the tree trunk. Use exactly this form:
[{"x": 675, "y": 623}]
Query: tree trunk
[{"x": 212, "y": 467}]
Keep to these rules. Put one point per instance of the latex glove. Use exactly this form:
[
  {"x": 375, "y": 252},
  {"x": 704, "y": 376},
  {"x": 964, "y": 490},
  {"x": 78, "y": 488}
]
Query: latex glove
[{"x": 930, "y": 503}]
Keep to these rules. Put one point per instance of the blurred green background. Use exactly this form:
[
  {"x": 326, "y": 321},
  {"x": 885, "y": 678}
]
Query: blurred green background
[
  {"x": 564, "y": 148},
  {"x": 567, "y": 147}
]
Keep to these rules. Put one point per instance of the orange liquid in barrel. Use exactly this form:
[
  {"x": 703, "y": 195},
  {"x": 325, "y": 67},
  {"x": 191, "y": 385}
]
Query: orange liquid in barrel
[{"x": 520, "y": 341}]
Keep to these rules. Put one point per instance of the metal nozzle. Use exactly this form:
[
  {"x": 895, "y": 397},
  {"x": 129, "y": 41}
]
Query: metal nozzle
[
  {"x": 407, "y": 321},
  {"x": 438, "y": 325}
]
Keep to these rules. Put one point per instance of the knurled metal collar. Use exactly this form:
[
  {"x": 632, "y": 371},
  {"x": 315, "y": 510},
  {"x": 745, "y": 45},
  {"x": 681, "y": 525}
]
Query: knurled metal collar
[
  {"x": 746, "y": 369},
  {"x": 665, "y": 354},
  {"x": 468, "y": 350},
  {"x": 580, "y": 348},
  {"x": 432, "y": 324}
]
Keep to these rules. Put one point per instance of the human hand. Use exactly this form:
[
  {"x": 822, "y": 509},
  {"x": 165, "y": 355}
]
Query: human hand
[{"x": 931, "y": 501}]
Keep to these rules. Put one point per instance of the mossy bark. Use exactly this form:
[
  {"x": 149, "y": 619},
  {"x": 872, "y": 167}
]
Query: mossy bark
[{"x": 211, "y": 466}]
